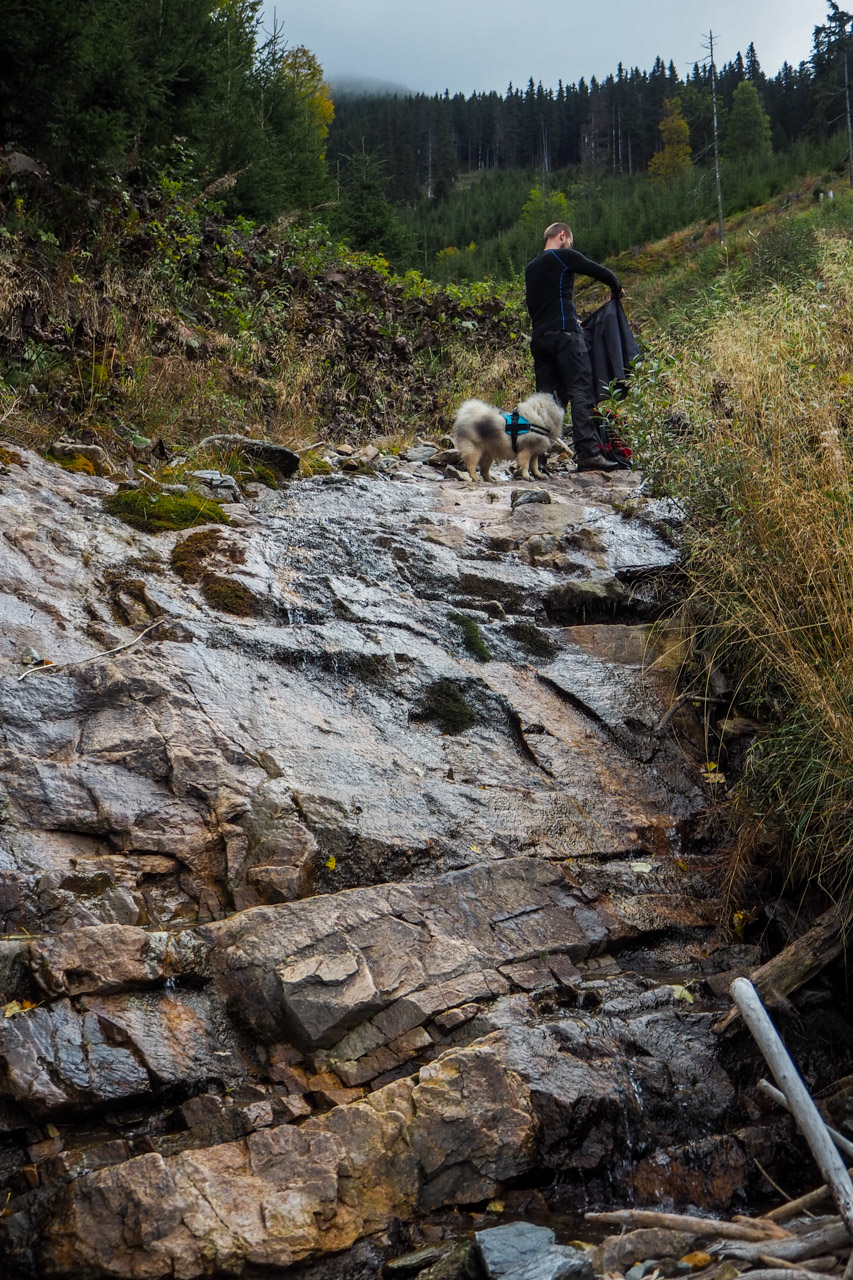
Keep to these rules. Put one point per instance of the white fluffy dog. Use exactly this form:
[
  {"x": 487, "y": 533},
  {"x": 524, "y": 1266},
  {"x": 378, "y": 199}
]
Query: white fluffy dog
[{"x": 484, "y": 434}]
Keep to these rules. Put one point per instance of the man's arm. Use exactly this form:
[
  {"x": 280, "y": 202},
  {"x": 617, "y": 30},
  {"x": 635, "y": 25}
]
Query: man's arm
[{"x": 586, "y": 267}]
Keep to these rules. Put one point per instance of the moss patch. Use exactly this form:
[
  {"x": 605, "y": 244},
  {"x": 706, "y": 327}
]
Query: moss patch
[
  {"x": 153, "y": 512},
  {"x": 533, "y": 640},
  {"x": 190, "y": 556},
  {"x": 8, "y": 457},
  {"x": 313, "y": 464},
  {"x": 445, "y": 706},
  {"x": 76, "y": 463},
  {"x": 472, "y": 637},
  {"x": 230, "y": 596},
  {"x": 264, "y": 475}
]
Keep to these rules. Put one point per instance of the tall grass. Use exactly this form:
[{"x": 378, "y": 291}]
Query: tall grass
[{"x": 765, "y": 474}]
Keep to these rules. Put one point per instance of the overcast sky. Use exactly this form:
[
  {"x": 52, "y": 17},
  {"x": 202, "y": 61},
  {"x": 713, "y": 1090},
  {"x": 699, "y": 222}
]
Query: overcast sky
[{"x": 466, "y": 45}]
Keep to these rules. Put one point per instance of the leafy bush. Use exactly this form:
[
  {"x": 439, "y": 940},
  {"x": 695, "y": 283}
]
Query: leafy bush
[{"x": 784, "y": 254}]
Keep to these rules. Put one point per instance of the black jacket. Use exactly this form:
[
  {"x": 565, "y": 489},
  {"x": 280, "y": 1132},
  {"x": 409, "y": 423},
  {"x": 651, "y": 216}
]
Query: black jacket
[{"x": 611, "y": 346}]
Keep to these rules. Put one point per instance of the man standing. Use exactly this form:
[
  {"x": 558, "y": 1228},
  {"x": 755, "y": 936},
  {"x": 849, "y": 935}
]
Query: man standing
[{"x": 560, "y": 360}]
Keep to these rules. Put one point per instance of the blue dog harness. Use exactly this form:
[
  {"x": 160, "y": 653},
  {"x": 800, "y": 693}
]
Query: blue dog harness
[{"x": 517, "y": 426}]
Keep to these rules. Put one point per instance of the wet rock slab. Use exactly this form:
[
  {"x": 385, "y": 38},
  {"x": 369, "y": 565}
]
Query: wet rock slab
[
  {"x": 226, "y": 762},
  {"x": 312, "y": 918},
  {"x": 369, "y": 973}
]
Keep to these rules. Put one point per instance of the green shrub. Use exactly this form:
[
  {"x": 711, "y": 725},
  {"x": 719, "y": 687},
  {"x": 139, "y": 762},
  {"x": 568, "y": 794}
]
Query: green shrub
[{"x": 784, "y": 253}]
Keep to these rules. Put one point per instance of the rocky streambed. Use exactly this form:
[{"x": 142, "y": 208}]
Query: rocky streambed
[{"x": 364, "y": 890}]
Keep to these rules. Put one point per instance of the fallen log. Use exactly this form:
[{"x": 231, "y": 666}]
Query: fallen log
[
  {"x": 773, "y": 1229},
  {"x": 793, "y": 966},
  {"x": 816, "y": 1265},
  {"x": 785, "y": 1273},
  {"x": 826, "y": 1239},
  {"x": 804, "y": 1204},
  {"x": 844, "y": 1144},
  {"x": 754, "y": 1230},
  {"x": 802, "y": 1108}
]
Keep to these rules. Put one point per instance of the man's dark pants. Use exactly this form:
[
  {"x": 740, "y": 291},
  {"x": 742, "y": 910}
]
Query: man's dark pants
[{"x": 561, "y": 365}]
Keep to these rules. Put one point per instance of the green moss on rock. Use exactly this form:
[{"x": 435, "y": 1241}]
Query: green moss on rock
[
  {"x": 313, "y": 464},
  {"x": 444, "y": 704},
  {"x": 472, "y": 636},
  {"x": 230, "y": 595},
  {"x": 264, "y": 475},
  {"x": 76, "y": 463},
  {"x": 190, "y": 556},
  {"x": 153, "y": 512},
  {"x": 533, "y": 639}
]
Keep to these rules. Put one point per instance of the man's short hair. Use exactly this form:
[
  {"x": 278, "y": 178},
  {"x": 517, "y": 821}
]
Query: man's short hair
[{"x": 555, "y": 229}]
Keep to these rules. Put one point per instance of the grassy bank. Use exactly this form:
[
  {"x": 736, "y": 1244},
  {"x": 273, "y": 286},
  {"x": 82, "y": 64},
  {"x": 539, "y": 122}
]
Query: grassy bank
[{"x": 759, "y": 372}]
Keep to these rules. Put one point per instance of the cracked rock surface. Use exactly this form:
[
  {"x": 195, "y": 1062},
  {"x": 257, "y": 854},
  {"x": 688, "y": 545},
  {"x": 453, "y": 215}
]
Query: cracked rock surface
[{"x": 329, "y": 918}]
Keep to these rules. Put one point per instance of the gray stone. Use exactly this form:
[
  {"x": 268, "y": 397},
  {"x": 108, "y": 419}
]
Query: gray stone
[
  {"x": 324, "y": 995},
  {"x": 219, "y": 485},
  {"x": 506, "y": 1248},
  {"x": 281, "y": 460},
  {"x": 523, "y": 1251},
  {"x": 446, "y": 458},
  {"x": 523, "y": 497}
]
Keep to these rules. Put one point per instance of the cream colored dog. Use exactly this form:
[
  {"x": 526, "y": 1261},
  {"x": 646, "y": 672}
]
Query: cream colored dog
[{"x": 483, "y": 434}]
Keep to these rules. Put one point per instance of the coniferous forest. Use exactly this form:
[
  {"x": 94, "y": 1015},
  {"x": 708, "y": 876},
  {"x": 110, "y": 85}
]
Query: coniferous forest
[
  {"x": 99, "y": 94},
  {"x": 629, "y": 157}
]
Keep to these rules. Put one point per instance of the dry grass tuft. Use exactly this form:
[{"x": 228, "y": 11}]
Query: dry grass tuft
[{"x": 766, "y": 474}]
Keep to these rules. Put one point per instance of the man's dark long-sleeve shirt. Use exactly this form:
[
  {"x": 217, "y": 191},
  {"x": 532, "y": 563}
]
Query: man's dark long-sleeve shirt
[{"x": 549, "y": 284}]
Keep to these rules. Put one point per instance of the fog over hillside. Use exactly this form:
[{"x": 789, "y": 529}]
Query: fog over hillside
[{"x": 362, "y": 86}]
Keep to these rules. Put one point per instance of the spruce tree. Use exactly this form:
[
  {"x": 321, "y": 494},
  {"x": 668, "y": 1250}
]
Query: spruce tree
[
  {"x": 365, "y": 217},
  {"x": 98, "y": 87},
  {"x": 748, "y": 129}
]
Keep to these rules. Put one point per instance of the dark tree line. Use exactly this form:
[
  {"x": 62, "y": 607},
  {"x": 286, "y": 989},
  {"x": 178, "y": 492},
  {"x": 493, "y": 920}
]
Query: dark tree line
[
  {"x": 96, "y": 88},
  {"x": 609, "y": 125},
  {"x": 102, "y": 93}
]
